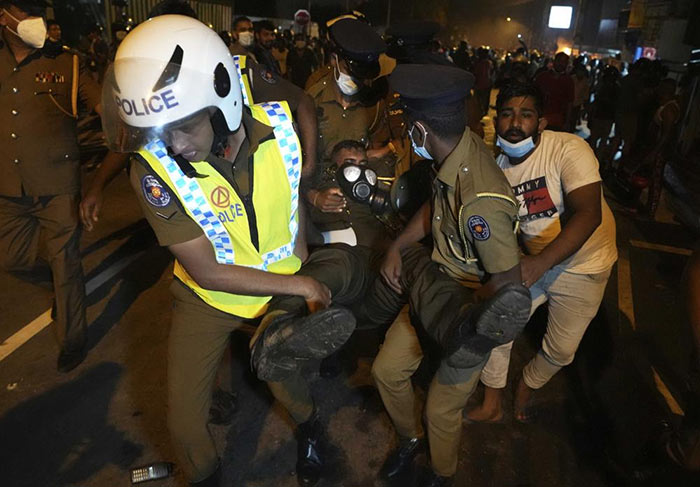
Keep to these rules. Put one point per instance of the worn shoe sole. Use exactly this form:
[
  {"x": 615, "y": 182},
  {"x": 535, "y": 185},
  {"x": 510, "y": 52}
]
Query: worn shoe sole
[
  {"x": 500, "y": 320},
  {"x": 285, "y": 341}
]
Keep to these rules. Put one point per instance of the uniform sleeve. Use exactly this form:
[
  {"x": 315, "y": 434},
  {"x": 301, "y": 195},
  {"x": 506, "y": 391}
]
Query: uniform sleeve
[
  {"x": 489, "y": 223},
  {"x": 267, "y": 86},
  {"x": 579, "y": 166},
  {"x": 169, "y": 223},
  {"x": 88, "y": 89}
]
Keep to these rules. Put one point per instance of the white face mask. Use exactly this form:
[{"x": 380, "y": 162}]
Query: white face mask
[
  {"x": 246, "y": 39},
  {"x": 32, "y": 31},
  {"x": 515, "y": 150},
  {"x": 420, "y": 151},
  {"x": 344, "y": 81}
]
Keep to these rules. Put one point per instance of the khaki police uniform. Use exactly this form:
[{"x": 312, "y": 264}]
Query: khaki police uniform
[
  {"x": 40, "y": 176},
  {"x": 200, "y": 332},
  {"x": 473, "y": 221}
]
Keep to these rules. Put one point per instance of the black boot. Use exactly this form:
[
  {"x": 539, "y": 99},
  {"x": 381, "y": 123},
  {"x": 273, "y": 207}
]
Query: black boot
[
  {"x": 401, "y": 459},
  {"x": 288, "y": 338},
  {"x": 480, "y": 328},
  {"x": 70, "y": 359},
  {"x": 435, "y": 480},
  {"x": 309, "y": 457},
  {"x": 214, "y": 480}
]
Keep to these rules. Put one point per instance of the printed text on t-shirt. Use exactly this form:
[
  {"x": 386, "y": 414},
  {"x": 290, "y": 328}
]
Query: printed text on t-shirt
[{"x": 535, "y": 201}]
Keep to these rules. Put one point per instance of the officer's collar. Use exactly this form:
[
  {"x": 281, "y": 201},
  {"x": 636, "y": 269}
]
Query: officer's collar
[
  {"x": 256, "y": 132},
  {"x": 449, "y": 169},
  {"x": 5, "y": 46}
]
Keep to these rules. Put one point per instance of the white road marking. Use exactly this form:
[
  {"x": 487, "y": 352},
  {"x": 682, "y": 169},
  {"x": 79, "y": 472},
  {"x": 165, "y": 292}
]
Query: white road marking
[
  {"x": 44, "y": 319},
  {"x": 660, "y": 248}
]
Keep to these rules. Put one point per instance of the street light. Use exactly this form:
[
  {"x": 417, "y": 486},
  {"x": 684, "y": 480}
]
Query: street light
[{"x": 507, "y": 19}]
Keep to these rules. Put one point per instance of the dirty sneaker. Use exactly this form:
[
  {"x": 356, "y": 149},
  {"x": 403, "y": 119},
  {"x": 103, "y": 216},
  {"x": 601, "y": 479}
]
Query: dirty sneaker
[{"x": 288, "y": 338}]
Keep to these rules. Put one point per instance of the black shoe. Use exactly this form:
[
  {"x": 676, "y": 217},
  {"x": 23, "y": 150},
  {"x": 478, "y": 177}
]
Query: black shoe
[
  {"x": 214, "y": 480},
  {"x": 70, "y": 359},
  {"x": 434, "y": 480},
  {"x": 401, "y": 459},
  {"x": 309, "y": 457},
  {"x": 494, "y": 322},
  {"x": 289, "y": 338},
  {"x": 223, "y": 406}
]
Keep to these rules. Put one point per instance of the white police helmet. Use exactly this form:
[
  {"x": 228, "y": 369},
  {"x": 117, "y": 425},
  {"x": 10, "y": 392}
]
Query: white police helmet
[{"x": 166, "y": 72}]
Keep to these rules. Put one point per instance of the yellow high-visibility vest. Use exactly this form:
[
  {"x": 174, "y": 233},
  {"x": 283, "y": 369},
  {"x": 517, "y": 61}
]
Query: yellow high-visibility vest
[{"x": 215, "y": 206}]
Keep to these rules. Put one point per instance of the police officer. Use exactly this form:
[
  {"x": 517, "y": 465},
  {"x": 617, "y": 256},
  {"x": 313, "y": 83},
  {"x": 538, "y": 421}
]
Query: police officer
[
  {"x": 410, "y": 43},
  {"x": 472, "y": 220},
  {"x": 39, "y": 165},
  {"x": 347, "y": 108},
  {"x": 218, "y": 182},
  {"x": 258, "y": 84}
]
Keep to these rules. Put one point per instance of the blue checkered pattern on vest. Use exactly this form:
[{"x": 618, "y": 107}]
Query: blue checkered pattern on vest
[
  {"x": 244, "y": 93},
  {"x": 288, "y": 144},
  {"x": 192, "y": 197}
]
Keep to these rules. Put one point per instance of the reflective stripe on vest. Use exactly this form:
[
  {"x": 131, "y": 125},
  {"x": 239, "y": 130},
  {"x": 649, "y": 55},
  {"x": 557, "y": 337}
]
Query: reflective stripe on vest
[
  {"x": 240, "y": 62},
  {"x": 228, "y": 228}
]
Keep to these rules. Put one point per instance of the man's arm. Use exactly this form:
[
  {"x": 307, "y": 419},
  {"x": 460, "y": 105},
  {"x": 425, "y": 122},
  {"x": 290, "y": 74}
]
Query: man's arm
[
  {"x": 308, "y": 134},
  {"x": 584, "y": 204},
  {"x": 197, "y": 257},
  {"x": 417, "y": 228},
  {"x": 91, "y": 203}
]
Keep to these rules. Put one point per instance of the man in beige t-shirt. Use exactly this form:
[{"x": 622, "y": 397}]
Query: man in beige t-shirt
[{"x": 568, "y": 234}]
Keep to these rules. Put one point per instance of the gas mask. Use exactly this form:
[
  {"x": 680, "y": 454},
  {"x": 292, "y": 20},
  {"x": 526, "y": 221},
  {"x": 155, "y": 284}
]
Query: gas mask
[
  {"x": 345, "y": 82},
  {"x": 32, "y": 31},
  {"x": 359, "y": 183},
  {"x": 246, "y": 39}
]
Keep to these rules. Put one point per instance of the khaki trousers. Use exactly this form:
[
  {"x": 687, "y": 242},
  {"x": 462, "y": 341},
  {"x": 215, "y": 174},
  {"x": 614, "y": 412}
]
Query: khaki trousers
[
  {"x": 198, "y": 338},
  {"x": 48, "y": 227},
  {"x": 573, "y": 301},
  {"x": 398, "y": 359}
]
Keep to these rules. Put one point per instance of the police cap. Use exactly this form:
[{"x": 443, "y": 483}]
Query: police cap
[
  {"x": 431, "y": 88},
  {"x": 359, "y": 45},
  {"x": 413, "y": 32},
  {"x": 31, "y": 7}
]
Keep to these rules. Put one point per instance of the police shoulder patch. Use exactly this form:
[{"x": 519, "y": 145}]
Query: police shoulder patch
[
  {"x": 154, "y": 192},
  {"x": 267, "y": 75},
  {"x": 478, "y": 227}
]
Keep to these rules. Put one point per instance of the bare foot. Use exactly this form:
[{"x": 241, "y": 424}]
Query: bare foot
[
  {"x": 490, "y": 411},
  {"x": 522, "y": 397}
]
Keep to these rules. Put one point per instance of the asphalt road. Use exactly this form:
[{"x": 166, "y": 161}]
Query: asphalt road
[{"x": 597, "y": 424}]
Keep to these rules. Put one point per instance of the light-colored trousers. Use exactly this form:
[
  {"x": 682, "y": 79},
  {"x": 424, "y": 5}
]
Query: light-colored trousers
[
  {"x": 398, "y": 359},
  {"x": 573, "y": 301}
]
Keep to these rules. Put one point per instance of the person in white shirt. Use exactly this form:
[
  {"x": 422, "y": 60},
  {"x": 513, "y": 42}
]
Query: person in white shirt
[{"x": 568, "y": 234}]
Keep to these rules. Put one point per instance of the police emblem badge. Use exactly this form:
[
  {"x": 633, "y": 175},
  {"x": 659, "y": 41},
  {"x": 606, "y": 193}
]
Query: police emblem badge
[
  {"x": 478, "y": 227},
  {"x": 154, "y": 192}
]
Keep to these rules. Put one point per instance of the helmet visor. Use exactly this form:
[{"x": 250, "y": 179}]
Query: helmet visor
[{"x": 142, "y": 102}]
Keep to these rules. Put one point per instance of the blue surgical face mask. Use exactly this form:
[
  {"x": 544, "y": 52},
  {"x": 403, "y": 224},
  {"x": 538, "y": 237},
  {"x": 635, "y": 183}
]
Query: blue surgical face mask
[
  {"x": 516, "y": 150},
  {"x": 420, "y": 151}
]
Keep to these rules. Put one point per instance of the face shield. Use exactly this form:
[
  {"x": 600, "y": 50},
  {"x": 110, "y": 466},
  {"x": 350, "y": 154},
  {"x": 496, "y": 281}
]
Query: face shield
[{"x": 135, "y": 112}]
